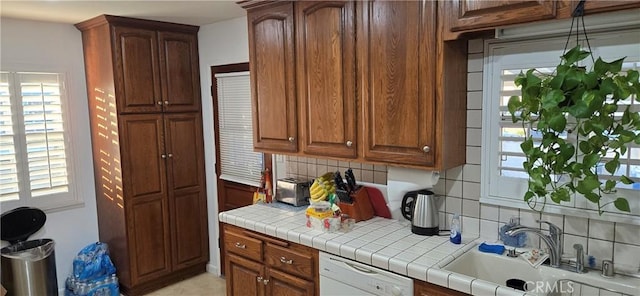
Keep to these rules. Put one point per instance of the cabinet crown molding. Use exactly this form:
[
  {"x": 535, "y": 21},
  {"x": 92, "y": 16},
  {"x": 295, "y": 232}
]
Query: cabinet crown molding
[{"x": 134, "y": 22}]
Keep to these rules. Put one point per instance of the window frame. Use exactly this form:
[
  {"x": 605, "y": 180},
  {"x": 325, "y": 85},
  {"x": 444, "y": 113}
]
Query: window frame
[
  {"x": 56, "y": 201},
  {"x": 506, "y": 191}
]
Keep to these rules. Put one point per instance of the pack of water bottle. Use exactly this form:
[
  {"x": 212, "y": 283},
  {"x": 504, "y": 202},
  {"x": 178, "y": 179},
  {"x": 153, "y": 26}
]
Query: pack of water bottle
[
  {"x": 105, "y": 287},
  {"x": 93, "y": 273}
]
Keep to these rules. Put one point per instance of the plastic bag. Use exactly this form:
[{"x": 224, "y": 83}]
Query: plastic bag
[
  {"x": 93, "y": 273},
  {"x": 93, "y": 262}
]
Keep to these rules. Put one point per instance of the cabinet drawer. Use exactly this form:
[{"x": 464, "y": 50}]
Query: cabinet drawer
[
  {"x": 242, "y": 245},
  {"x": 295, "y": 260}
]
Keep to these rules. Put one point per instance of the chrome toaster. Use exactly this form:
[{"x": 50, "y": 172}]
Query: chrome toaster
[{"x": 293, "y": 191}]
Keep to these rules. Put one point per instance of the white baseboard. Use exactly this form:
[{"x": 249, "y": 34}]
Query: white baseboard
[{"x": 213, "y": 269}]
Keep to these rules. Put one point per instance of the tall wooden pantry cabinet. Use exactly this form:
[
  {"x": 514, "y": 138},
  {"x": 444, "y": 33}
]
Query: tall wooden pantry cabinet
[{"x": 146, "y": 130}]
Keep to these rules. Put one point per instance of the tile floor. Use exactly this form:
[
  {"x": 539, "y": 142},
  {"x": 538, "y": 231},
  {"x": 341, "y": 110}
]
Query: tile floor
[{"x": 205, "y": 284}]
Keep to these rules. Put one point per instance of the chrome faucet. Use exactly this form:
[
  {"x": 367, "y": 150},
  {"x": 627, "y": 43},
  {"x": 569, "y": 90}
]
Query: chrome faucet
[
  {"x": 553, "y": 240},
  {"x": 579, "y": 258}
]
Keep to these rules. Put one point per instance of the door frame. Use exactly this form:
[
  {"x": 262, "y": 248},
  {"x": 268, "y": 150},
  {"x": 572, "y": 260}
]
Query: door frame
[{"x": 244, "y": 192}]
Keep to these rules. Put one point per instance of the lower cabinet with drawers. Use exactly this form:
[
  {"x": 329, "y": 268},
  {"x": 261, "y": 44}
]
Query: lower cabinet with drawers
[{"x": 257, "y": 264}]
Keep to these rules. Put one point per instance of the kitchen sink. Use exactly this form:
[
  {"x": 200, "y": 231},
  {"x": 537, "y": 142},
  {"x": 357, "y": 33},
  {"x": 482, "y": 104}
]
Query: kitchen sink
[{"x": 544, "y": 280}]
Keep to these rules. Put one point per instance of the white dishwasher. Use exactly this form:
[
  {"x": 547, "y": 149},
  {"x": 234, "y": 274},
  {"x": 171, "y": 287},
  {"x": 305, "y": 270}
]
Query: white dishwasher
[{"x": 344, "y": 277}]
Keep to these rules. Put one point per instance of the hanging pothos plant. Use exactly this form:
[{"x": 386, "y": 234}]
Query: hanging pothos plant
[{"x": 579, "y": 121}]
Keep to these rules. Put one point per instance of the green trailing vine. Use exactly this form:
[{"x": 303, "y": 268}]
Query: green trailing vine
[{"x": 578, "y": 119}]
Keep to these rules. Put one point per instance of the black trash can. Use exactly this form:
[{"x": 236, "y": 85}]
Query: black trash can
[{"x": 28, "y": 267}]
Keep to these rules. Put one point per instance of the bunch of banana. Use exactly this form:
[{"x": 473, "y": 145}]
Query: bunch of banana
[{"x": 321, "y": 188}]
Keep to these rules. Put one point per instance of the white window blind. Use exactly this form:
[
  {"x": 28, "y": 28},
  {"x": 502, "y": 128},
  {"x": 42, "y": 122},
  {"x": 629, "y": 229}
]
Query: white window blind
[
  {"x": 34, "y": 153},
  {"x": 504, "y": 179},
  {"x": 238, "y": 162}
]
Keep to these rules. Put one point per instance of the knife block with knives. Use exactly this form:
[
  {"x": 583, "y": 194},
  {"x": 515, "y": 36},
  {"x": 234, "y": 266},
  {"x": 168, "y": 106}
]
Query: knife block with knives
[{"x": 360, "y": 207}]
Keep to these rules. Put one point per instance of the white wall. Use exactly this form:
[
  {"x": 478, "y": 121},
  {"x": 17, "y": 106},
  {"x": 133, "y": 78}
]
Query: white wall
[
  {"x": 47, "y": 46},
  {"x": 218, "y": 44}
]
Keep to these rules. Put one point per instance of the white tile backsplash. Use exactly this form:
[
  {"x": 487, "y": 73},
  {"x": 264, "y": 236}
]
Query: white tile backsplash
[
  {"x": 453, "y": 188},
  {"x": 474, "y": 118},
  {"x": 627, "y": 233},
  {"x": 600, "y": 250},
  {"x": 454, "y": 174},
  {"x": 474, "y": 81},
  {"x": 474, "y": 137},
  {"x": 475, "y": 62},
  {"x": 470, "y": 208},
  {"x": 626, "y": 258},
  {"x": 569, "y": 241},
  {"x": 576, "y": 225},
  {"x": 471, "y": 190},
  {"x": 474, "y": 100},
  {"x": 489, "y": 230},
  {"x": 601, "y": 229},
  {"x": 454, "y": 205},
  {"x": 489, "y": 212},
  {"x": 473, "y": 154},
  {"x": 507, "y": 213},
  {"x": 475, "y": 46},
  {"x": 471, "y": 173}
]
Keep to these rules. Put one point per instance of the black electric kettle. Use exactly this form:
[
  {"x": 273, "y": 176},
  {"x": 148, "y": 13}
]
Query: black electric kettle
[{"x": 421, "y": 208}]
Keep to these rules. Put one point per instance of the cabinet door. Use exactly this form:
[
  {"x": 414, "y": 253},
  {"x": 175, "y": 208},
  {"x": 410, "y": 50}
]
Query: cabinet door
[
  {"x": 179, "y": 70},
  {"x": 325, "y": 45},
  {"x": 148, "y": 226},
  {"x": 281, "y": 283},
  {"x": 271, "y": 52},
  {"x": 143, "y": 156},
  {"x": 136, "y": 74},
  {"x": 397, "y": 67},
  {"x": 185, "y": 179},
  {"x": 244, "y": 277},
  {"x": 606, "y": 6},
  {"x": 479, "y": 14}
]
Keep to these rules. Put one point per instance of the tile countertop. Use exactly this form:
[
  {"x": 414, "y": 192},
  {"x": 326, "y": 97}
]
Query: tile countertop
[{"x": 383, "y": 243}]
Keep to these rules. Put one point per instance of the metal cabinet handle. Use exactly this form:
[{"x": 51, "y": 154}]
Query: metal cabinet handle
[
  {"x": 291, "y": 139},
  {"x": 349, "y": 143},
  {"x": 259, "y": 279},
  {"x": 166, "y": 102},
  {"x": 159, "y": 102},
  {"x": 426, "y": 149},
  {"x": 170, "y": 155},
  {"x": 285, "y": 261},
  {"x": 241, "y": 246},
  {"x": 163, "y": 156},
  {"x": 265, "y": 282}
]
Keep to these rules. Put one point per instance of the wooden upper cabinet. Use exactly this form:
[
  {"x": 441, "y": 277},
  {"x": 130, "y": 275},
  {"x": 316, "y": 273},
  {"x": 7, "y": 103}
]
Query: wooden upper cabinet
[
  {"x": 143, "y": 155},
  {"x": 137, "y": 74},
  {"x": 481, "y": 14},
  {"x": 272, "y": 67},
  {"x": 179, "y": 71},
  {"x": 156, "y": 71},
  {"x": 397, "y": 59},
  {"x": 325, "y": 45},
  {"x": 593, "y": 7}
]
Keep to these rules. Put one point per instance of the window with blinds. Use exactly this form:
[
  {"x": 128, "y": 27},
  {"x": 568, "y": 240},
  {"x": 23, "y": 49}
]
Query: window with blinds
[
  {"x": 504, "y": 179},
  {"x": 34, "y": 155},
  {"x": 238, "y": 162}
]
